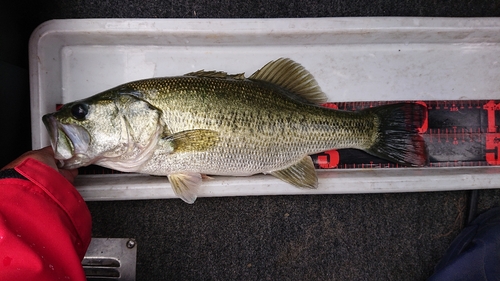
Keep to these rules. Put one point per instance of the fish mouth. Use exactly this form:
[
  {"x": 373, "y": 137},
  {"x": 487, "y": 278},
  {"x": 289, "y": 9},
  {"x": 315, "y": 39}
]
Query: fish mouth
[{"x": 70, "y": 142}]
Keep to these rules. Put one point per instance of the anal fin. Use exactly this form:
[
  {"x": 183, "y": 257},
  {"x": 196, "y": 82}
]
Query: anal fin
[
  {"x": 301, "y": 174},
  {"x": 186, "y": 185}
]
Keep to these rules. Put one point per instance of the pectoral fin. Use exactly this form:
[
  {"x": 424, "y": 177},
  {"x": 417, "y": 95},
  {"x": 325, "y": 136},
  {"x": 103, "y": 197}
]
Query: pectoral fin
[
  {"x": 185, "y": 185},
  {"x": 191, "y": 140},
  {"x": 301, "y": 174}
]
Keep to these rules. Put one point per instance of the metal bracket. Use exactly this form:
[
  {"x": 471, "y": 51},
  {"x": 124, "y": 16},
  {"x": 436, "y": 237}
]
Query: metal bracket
[{"x": 111, "y": 259}]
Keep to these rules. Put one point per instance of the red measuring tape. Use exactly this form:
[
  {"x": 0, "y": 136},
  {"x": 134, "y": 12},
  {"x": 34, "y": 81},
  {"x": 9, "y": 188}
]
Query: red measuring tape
[{"x": 457, "y": 133}]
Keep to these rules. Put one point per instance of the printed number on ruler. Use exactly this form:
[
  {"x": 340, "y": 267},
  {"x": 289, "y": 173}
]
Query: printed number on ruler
[{"x": 492, "y": 136}]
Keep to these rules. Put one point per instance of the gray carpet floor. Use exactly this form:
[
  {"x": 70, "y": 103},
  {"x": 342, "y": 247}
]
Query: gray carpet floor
[{"x": 322, "y": 237}]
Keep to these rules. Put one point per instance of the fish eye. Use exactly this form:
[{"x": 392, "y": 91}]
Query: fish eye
[{"x": 79, "y": 111}]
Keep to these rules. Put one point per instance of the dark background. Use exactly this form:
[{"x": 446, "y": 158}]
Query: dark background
[{"x": 322, "y": 237}]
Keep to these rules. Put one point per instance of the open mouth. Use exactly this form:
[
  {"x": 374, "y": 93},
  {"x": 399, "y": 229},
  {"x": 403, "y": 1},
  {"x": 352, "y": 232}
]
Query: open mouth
[{"x": 67, "y": 140}]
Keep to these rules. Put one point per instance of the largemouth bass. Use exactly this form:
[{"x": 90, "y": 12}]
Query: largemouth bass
[{"x": 212, "y": 123}]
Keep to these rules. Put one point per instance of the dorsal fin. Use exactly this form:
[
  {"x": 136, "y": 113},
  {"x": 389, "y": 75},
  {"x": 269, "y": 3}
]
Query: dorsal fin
[
  {"x": 216, "y": 74},
  {"x": 292, "y": 76}
]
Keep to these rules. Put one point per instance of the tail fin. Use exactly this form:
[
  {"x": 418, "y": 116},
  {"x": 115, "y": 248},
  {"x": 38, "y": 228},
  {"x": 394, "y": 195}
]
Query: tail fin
[{"x": 398, "y": 139}]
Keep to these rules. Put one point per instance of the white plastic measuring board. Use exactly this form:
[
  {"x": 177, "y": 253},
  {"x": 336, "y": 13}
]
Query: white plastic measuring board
[{"x": 353, "y": 59}]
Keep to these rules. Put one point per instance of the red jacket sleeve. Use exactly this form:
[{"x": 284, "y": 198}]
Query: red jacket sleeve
[{"x": 45, "y": 226}]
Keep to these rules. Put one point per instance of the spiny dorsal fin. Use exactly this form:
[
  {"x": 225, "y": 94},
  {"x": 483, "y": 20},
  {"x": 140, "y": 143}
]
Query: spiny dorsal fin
[
  {"x": 293, "y": 77},
  {"x": 216, "y": 74}
]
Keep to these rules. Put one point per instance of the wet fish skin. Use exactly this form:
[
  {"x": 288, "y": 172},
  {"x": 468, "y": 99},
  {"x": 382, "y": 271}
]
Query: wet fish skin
[
  {"x": 254, "y": 129},
  {"x": 219, "y": 124}
]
